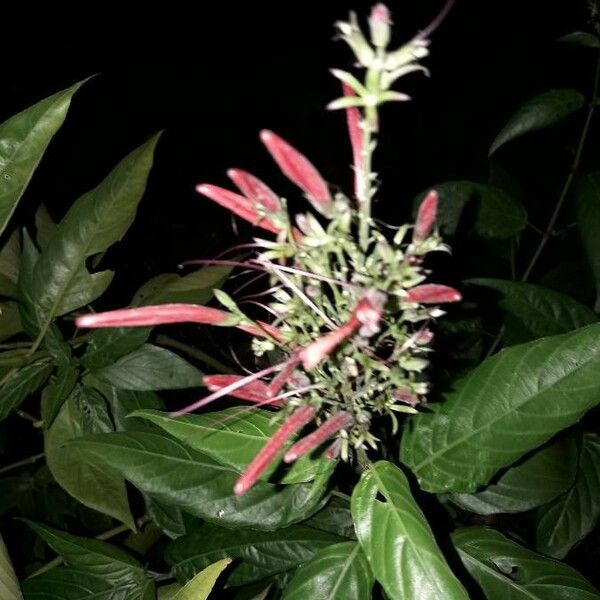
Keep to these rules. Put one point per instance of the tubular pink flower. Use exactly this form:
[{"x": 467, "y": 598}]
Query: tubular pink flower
[
  {"x": 298, "y": 169},
  {"x": 237, "y": 204},
  {"x": 355, "y": 133},
  {"x": 164, "y": 314},
  {"x": 255, "y": 190},
  {"x": 407, "y": 397},
  {"x": 341, "y": 420},
  {"x": 426, "y": 217},
  {"x": 431, "y": 293},
  {"x": 253, "y": 391},
  {"x": 294, "y": 423}
]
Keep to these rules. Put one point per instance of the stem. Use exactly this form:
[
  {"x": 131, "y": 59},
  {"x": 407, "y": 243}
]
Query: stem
[
  {"x": 22, "y": 463},
  {"x": 165, "y": 340},
  {"x": 570, "y": 177}
]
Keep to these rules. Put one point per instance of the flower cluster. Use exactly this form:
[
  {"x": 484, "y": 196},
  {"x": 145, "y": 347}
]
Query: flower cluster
[{"x": 350, "y": 334}]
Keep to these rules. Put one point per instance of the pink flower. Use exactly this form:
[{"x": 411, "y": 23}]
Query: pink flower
[
  {"x": 259, "y": 193},
  {"x": 356, "y": 138},
  {"x": 432, "y": 293},
  {"x": 253, "y": 391},
  {"x": 299, "y": 170},
  {"x": 294, "y": 423},
  {"x": 426, "y": 217},
  {"x": 237, "y": 204},
  {"x": 164, "y": 314}
]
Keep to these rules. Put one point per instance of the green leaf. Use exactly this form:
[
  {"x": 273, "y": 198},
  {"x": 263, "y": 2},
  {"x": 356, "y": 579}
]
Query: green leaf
[
  {"x": 150, "y": 368},
  {"x": 10, "y": 262},
  {"x": 61, "y": 281},
  {"x": 91, "y": 556},
  {"x": 23, "y": 383},
  {"x": 537, "y": 311},
  {"x": 339, "y": 571},
  {"x": 496, "y": 214},
  {"x": 538, "y": 113},
  {"x": 169, "y": 519},
  {"x": 534, "y": 481},
  {"x": 25, "y": 296},
  {"x": 45, "y": 227},
  {"x": 9, "y": 584},
  {"x": 334, "y": 517},
  {"x": 232, "y": 437},
  {"x": 567, "y": 520},
  {"x": 98, "y": 486},
  {"x": 581, "y": 38},
  {"x": 124, "y": 402},
  {"x": 397, "y": 539},
  {"x": 200, "y": 587},
  {"x": 509, "y": 405},
  {"x": 10, "y": 320},
  {"x": 195, "y": 288},
  {"x": 71, "y": 584},
  {"x": 107, "y": 345},
  {"x": 504, "y": 569},
  {"x": 24, "y": 139},
  {"x": 258, "y": 554},
  {"x": 587, "y": 191},
  {"x": 174, "y": 474},
  {"x": 58, "y": 390}
]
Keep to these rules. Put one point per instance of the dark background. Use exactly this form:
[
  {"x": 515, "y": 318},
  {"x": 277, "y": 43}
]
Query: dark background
[{"x": 213, "y": 74}]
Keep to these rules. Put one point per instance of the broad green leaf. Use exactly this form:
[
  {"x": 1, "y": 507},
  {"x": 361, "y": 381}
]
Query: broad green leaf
[
  {"x": 23, "y": 141},
  {"x": 232, "y": 437},
  {"x": 504, "y": 569},
  {"x": 58, "y": 390},
  {"x": 9, "y": 584},
  {"x": 334, "y": 517},
  {"x": 45, "y": 227},
  {"x": 200, "y": 587},
  {"x": 150, "y": 368},
  {"x": 168, "y": 518},
  {"x": 10, "y": 262},
  {"x": 10, "y": 320},
  {"x": 538, "y": 113},
  {"x": 587, "y": 191},
  {"x": 534, "y": 481},
  {"x": 339, "y": 571},
  {"x": 124, "y": 402},
  {"x": 258, "y": 554},
  {"x": 100, "y": 487},
  {"x": 168, "y": 592},
  {"x": 25, "y": 292},
  {"x": 91, "y": 556},
  {"x": 509, "y": 405},
  {"x": 397, "y": 539},
  {"x": 581, "y": 38},
  {"x": 537, "y": 311},
  {"x": 496, "y": 214},
  {"x": 174, "y": 474},
  {"x": 195, "y": 288},
  {"x": 569, "y": 518},
  {"x": 105, "y": 346},
  {"x": 23, "y": 383},
  {"x": 68, "y": 583},
  {"x": 98, "y": 219}
]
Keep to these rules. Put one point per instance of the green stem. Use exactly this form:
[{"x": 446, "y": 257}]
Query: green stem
[
  {"x": 567, "y": 186},
  {"x": 22, "y": 463},
  {"x": 217, "y": 365}
]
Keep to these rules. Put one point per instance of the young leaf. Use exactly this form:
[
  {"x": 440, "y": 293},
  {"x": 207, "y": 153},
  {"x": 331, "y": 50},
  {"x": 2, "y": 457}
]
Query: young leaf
[
  {"x": 25, "y": 137},
  {"x": 504, "y": 569},
  {"x": 98, "y": 486},
  {"x": 397, "y": 539},
  {"x": 509, "y": 405},
  {"x": 587, "y": 193},
  {"x": 150, "y": 368},
  {"x": 200, "y": 587},
  {"x": 581, "y": 38},
  {"x": 538, "y": 113},
  {"x": 9, "y": 584},
  {"x": 58, "y": 390},
  {"x": 569, "y": 518},
  {"x": 23, "y": 383},
  {"x": 61, "y": 281},
  {"x": 258, "y": 554},
  {"x": 175, "y": 474},
  {"x": 10, "y": 262},
  {"x": 339, "y": 571},
  {"x": 28, "y": 309},
  {"x": 44, "y": 226},
  {"x": 496, "y": 214},
  {"x": 91, "y": 556},
  {"x": 537, "y": 311},
  {"x": 530, "y": 483}
]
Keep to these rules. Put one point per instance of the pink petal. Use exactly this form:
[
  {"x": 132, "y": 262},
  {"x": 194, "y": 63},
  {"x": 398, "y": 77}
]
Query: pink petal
[
  {"x": 431, "y": 293},
  {"x": 356, "y": 138},
  {"x": 253, "y": 391},
  {"x": 296, "y": 421},
  {"x": 255, "y": 190},
  {"x": 341, "y": 420},
  {"x": 426, "y": 217},
  {"x": 297, "y": 168},
  {"x": 322, "y": 347},
  {"x": 237, "y": 204}
]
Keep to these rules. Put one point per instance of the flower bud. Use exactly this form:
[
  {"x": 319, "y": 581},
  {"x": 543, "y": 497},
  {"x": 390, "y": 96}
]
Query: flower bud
[{"x": 379, "y": 24}]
